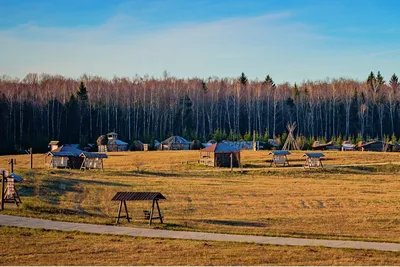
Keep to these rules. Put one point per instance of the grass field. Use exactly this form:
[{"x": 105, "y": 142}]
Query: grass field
[
  {"x": 353, "y": 202},
  {"x": 355, "y": 197},
  {"x": 39, "y": 247}
]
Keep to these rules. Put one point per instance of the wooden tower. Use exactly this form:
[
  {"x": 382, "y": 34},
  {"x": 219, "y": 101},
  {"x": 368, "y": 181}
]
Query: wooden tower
[{"x": 290, "y": 143}]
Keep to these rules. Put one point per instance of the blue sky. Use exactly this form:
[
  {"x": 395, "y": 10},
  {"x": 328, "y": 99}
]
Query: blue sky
[{"x": 289, "y": 40}]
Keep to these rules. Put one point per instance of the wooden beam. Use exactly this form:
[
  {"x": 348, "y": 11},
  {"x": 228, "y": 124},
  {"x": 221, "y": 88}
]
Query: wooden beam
[
  {"x": 31, "y": 152},
  {"x": 126, "y": 211},
  {"x": 159, "y": 212},
  {"x": 151, "y": 212},
  {"x": 119, "y": 212},
  {"x": 3, "y": 180}
]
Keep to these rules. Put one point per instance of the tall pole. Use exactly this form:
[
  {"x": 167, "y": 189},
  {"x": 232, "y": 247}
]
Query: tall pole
[
  {"x": 30, "y": 151},
  {"x": 231, "y": 158},
  {"x": 3, "y": 180},
  {"x": 11, "y": 162}
]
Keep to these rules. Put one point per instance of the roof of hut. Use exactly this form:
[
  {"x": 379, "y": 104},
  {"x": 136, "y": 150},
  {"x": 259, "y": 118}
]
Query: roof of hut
[
  {"x": 279, "y": 152},
  {"x": 66, "y": 151},
  {"x": 314, "y": 155},
  {"x": 220, "y": 148},
  {"x": 361, "y": 144},
  {"x": 116, "y": 142},
  {"x": 54, "y": 142},
  {"x": 93, "y": 155},
  {"x": 175, "y": 140}
]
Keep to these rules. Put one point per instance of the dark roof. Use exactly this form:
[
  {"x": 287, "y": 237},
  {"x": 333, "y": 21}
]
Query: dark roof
[
  {"x": 16, "y": 177},
  {"x": 93, "y": 155},
  {"x": 66, "y": 151},
  {"x": 314, "y": 155},
  {"x": 375, "y": 142},
  {"x": 279, "y": 152},
  {"x": 116, "y": 142},
  {"x": 175, "y": 140},
  {"x": 137, "y": 196},
  {"x": 220, "y": 148}
]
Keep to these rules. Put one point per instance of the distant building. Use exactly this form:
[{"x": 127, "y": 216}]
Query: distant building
[
  {"x": 328, "y": 146},
  {"x": 113, "y": 144},
  {"x": 375, "y": 145},
  {"x": 175, "y": 143},
  {"x": 53, "y": 145},
  {"x": 220, "y": 155},
  {"x": 66, "y": 156}
]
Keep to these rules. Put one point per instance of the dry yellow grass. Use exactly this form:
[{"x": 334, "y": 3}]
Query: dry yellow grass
[
  {"x": 38, "y": 247},
  {"x": 338, "y": 203}
]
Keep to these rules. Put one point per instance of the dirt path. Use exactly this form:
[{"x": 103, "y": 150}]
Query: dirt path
[{"x": 7, "y": 220}]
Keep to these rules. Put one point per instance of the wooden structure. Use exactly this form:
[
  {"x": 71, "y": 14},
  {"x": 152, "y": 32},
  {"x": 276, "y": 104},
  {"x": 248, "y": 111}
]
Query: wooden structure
[
  {"x": 313, "y": 160},
  {"x": 9, "y": 193},
  {"x": 122, "y": 197},
  {"x": 220, "y": 155},
  {"x": 92, "y": 160},
  {"x": 328, "y": 146},
  {"x": 53, "y": 145},
  {"x": 290, "y": 143},
  {"x": 66, "y": 156},
  {"x": 113, "y": 144},
  {"x": 375, "y": 145},
  {"x": 175, "y": 143},
  {"x": 279, "y": 157},
  {"x": 348, "y": 146}
]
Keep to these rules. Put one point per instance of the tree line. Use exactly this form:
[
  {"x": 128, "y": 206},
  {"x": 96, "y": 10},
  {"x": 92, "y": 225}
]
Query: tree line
[{"x": 40, "y": 108}]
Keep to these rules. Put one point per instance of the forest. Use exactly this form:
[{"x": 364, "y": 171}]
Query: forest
[{"x": 43, "y": 107}]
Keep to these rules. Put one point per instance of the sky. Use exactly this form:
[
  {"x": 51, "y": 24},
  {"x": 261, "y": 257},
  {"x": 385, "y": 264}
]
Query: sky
[{"x": 292, "y": 41}]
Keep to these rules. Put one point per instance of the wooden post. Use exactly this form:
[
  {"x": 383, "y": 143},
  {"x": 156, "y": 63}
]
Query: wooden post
[
  {"x": 231, "y": 162},
  {"x": 3, "y": 180},
  {"x": 126, "y": 211},
  {"x": 30, "y": 151},
  {"x": 151, "y": 212},
  {"x": 11, "y": 162},
  {"x": 119, "y": 212},
  {"x": 159, "y": 212}
]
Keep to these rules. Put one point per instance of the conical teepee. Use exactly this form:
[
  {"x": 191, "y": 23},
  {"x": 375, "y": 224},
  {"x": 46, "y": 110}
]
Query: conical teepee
[{"x": 290, "y": 143}]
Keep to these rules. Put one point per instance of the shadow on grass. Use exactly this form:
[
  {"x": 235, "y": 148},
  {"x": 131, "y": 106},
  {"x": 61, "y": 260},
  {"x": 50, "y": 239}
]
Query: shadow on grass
[
  {"x": 57, "y": 210},
  {"x": 144, "y": 173},
  {"x": 235, "y": 223}
]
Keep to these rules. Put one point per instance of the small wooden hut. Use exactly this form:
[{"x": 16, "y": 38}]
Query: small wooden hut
[
  {"x": 279, "y": 157},
  {"x": 220, "y": 155},
  {"x": 348, "y": 146},
  {"x": 313, "y": 160},
  {"x": 375, "y": 145},
  {"x": 113, "y": 144},
  {"x": 92, "y": 160},
  {"x": 66, "y": 156},
  {"x": 328, "y": 146},
  {"x": 53, "y": 145},
  {"x": 137, "y": 146},
  {"x": 175, "y": 143}
]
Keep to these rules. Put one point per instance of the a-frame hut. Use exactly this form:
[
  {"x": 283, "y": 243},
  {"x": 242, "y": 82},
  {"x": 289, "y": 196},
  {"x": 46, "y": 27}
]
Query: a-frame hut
[
  {"x": 290, "y": 143},
  {"x": 220, "y": 155},
  {"x": 175, "y": 143}
]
